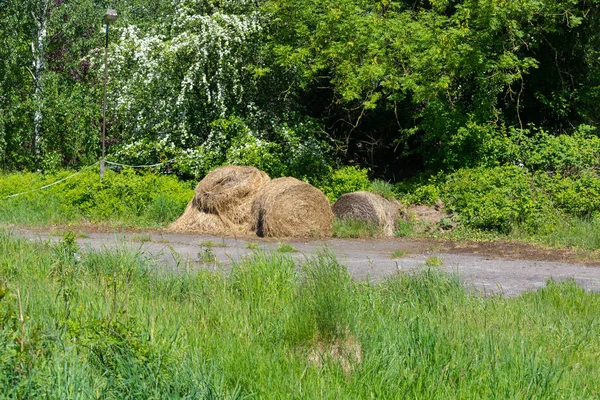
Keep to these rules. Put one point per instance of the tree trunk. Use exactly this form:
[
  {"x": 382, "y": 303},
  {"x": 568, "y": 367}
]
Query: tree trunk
[{"x": 38, "y": 49}]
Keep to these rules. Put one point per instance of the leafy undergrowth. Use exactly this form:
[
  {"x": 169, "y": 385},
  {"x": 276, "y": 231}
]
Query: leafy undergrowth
[
  {"x": 128, "y": 198},
  {"x": 112, "y": 324}
]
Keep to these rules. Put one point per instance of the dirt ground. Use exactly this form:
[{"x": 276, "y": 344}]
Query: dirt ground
[{"x": 490, "y": 267}]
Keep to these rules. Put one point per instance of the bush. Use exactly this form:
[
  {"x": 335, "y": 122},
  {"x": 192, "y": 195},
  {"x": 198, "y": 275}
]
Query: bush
[
  {"x": 345, "y": 180},
  {"x": 497, "y": 199},
  {"x": 563, "y": 154},
  {"x": 283, "y": 150},
  {"x": 577, "y": 195},
  {"x": 137, "y": 198}
]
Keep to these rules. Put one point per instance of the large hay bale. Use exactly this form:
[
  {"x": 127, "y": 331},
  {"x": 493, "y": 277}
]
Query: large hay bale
[
  {"x": 368, "y": 207},
  {"x": 287, "y": 207},
  {"x": 222, "y": 202}
]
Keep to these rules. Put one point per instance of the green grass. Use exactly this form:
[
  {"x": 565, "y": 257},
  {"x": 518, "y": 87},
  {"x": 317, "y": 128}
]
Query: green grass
[
  {"x": 383, "y": 188},
  {"x": 114, "y": 325},
  {"x": 142, "y": 238},
  {"x": 253, "y": 246},
  {"x": 210, "y": 243},
  {"x": 578, "y": 233},
  {"x": 207, "y": 255},
  {"x": 353, "y": 228},
  {"x": 398, "y": 254},
  {"x": 406, "y": 228},
  {"x": 286, "y": 248},
  {"x": 434, "y": 261}
]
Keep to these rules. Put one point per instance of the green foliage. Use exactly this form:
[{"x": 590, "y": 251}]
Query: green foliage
[
  {"x": 354, "y": 228},
  {"x": 345, "y": 180},
  {"x": 383, "y": 188},
  {"x": 570, "y": 232},
  {"x": 497, "y": 198},
  {"x": 434, "y": 261},
  {"x": 405, "y": 227},
  {"x": 286, "y": 248},
  {"x": 575, "y": 195},
  {"x": 129, "y": 196},
  {"x": 325, "y": 293},
  {"x": 398, "y": 254},
  {"x": 285, "y": 151},
  {"x": 207, "y": 255}
]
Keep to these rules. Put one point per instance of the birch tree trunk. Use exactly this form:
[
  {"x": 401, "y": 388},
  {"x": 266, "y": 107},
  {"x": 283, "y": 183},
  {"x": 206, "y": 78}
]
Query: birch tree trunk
[{"x": 38, "y": 49}]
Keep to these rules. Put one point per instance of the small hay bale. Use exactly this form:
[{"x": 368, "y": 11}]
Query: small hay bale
[
  {"x": 368, "y": 207},
  {"x": 222, "y": 202},
  {"x": 287, "y": 207},
  {"x": 196, "y": 221}
]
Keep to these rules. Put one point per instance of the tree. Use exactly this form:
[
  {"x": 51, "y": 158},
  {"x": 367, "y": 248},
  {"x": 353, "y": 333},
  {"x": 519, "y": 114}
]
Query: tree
[{"x": 447, "y": 73}]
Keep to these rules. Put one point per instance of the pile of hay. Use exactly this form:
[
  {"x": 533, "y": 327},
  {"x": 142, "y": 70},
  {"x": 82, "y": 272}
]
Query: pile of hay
[
  {"x": 291, "y": 208},
  {"x": 222, "y": 202},
  {"x": 368, "y": 207}
]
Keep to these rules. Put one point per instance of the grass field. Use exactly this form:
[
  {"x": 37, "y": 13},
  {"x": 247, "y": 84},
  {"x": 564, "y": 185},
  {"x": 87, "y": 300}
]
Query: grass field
[{"x": 113, "y": 324}]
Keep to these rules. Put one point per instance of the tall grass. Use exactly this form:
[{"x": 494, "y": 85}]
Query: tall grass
[
  {"x": 113, "y": 324},
  {"x": 574, "y": 232},
  {"x": 355, "y": 228}
]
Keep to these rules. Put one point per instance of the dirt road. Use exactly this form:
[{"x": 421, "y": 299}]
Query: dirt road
[{"x": 505, "y": 268}]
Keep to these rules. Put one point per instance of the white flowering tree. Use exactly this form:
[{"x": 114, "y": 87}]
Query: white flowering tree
[
  {"x": 185, "y": 73},
  {"x": 188, "y": 87}
]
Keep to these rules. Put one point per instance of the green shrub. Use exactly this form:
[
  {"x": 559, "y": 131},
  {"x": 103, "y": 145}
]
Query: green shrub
[
  {"x": 563, "y": 154},
  {"x": 420, "y": 190},
  {"x": 141, "y": 198},
  {"x": 286, "y": 150},
  {"x": 346, "y": 180},
  {"x": 577, "y": 195},
  {"x": 497, "y": 199}
]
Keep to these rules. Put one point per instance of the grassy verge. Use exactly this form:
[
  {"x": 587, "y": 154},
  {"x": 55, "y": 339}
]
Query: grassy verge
[
  {"x": 121, "y": 199},
  {"x": 114, "y": 325}
]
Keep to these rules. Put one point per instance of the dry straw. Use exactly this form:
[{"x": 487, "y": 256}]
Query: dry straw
[
  {"x": 369, "y": 207},
  {"x": 222, "y": 202},
  {"x": 287, "y": 207}
]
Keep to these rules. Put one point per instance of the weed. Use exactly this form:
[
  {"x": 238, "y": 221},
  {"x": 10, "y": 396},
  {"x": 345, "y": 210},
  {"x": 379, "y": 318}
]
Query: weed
[
  {"x": 210, "y": 243},
  {"x": 434, "y": 261},
  {"x": 405, "y": 228},
  {"x": 141, "y": 238},
  {"x": 286, "y": 248},
  {"x": 252, "y": 246},
  {"x": 383, "y": 188},
  {"x": 207, "y": 255},
  {"x": 353, "y": 228},
  {"x": 398, "y": 254}
]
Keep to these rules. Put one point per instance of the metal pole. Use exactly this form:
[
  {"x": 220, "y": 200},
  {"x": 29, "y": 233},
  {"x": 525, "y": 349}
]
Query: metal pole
[{"x": 104, "y": 105}]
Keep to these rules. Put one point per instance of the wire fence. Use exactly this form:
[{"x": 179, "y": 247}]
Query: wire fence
[{"x": 110, "y": 163}]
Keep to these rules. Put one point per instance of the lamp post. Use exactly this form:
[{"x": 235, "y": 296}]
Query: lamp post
[{"x": 109, "y": 17}]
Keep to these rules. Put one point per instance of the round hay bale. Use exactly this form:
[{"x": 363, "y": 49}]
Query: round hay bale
[
  {"x": 196, "y": 221},
  {"x": 229, "y": 191},
  {"x": 287, "y": 207},
  {"x": 368, "y": 207},
  {"x": 222, "y": 202}
]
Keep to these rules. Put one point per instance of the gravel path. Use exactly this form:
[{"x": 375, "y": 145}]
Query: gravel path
[{"x": 487, "y": 270}]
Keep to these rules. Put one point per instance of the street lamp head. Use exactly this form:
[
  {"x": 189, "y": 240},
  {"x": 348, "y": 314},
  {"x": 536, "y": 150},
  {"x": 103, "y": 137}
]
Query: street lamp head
[{"x": 110, "y": 16}]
